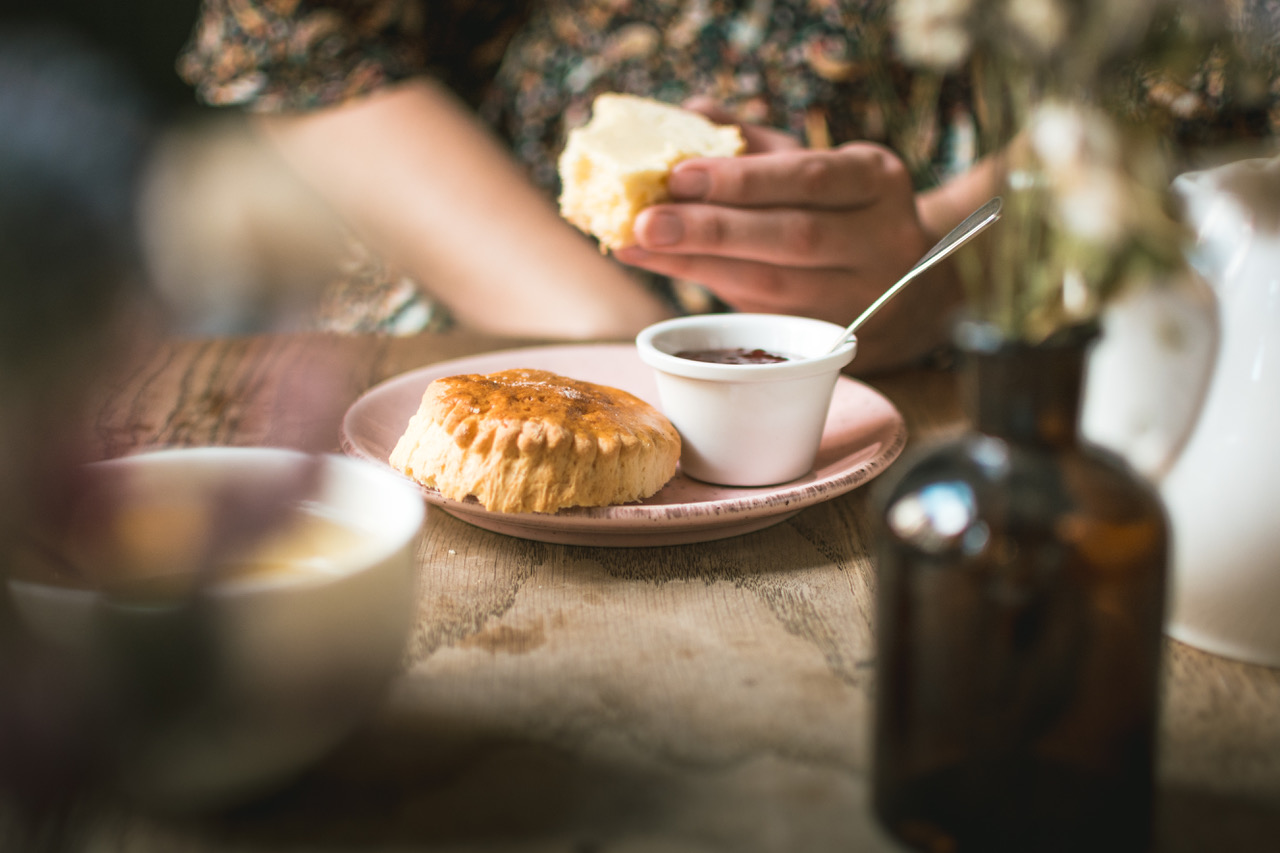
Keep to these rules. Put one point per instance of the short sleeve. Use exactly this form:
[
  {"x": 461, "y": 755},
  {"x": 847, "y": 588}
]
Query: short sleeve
[{"x": 279, "y": 55}]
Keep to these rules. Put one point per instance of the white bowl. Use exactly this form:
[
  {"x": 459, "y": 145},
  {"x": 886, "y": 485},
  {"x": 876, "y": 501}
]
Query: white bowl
[
  {"x": 274, "y": 669},
  {"x": 746, "y": 424}
]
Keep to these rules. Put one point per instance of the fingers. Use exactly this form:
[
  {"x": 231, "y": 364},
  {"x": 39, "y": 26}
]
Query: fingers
[
  {"x": 753, "y": 286},
  {"x": 807, "y": 239},
  {"x": 853, "y": 175}
]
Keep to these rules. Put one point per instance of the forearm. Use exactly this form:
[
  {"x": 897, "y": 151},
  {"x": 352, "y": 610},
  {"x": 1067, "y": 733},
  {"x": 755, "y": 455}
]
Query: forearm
[{"x": 426, "y": 185}]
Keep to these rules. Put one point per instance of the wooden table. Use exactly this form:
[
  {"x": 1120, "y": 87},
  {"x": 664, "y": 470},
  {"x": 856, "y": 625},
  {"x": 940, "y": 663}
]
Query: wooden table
[{"x": 687, "y": 698}]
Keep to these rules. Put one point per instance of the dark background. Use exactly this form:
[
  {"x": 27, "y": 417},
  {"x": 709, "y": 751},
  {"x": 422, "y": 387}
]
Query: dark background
[{"x": 142, "y": 36}]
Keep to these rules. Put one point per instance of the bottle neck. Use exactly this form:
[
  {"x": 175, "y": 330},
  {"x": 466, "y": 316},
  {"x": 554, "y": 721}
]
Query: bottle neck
[{"x": 1024, "y": 393}]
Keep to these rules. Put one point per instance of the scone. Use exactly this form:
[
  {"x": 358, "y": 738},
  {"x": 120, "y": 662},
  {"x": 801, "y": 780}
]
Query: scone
[
  {"x": 617, "y": 164},
  {"x": 534, "y": 441}
]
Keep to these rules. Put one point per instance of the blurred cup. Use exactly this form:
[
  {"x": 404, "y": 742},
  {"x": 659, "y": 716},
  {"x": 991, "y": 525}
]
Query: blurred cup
[
  {"x": 746, "y": 424},
  {"x": 245, "y": 609}
]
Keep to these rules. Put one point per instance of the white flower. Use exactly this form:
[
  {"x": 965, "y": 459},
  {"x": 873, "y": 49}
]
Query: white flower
[
  {"x": 933, "y": 33},
  {"x": 1042, "y": 23},
  {"x": 1064, "y": 135},
  {"x": 1096, "y": 207},
  {"x": 1081, "y": 153}
]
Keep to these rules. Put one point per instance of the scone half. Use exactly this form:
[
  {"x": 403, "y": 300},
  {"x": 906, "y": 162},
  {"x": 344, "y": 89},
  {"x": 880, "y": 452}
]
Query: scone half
[
  {"x": 526, "y": 440},
  {"x": 617, "y": 164}
]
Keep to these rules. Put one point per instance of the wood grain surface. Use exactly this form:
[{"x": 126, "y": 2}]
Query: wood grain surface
[{"x": 697, "y": 697}]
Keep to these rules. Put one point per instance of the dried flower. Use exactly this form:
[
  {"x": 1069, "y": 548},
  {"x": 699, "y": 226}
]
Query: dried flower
[
  {"x": 1080, "y": 152},
  {"x": 1042, "y": 24},
  {"x": 1072, "y": 92},
  {"x": 933, "y": 33}
]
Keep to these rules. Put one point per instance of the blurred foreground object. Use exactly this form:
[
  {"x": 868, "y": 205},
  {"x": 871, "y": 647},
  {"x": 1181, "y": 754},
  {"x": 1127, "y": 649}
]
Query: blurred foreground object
[
  {"x": 243, "y": 609},
  {"x": 163, "y": 635},
  {"x": 1019, "y": 622},
  {"x": 234, "y": 242},
  {"x": 74, "y": 134}
]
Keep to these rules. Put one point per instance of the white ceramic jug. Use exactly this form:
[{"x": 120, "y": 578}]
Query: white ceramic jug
[
  {"x": 1223, "y": 490},
  {"x": 1186, "y": 385}
]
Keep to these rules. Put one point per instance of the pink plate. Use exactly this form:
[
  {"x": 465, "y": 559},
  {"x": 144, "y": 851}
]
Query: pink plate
[{"x": 863, "y": 434}]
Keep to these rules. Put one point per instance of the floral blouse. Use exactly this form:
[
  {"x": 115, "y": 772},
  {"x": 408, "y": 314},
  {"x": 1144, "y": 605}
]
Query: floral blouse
[{"x": 825, "y": 70}]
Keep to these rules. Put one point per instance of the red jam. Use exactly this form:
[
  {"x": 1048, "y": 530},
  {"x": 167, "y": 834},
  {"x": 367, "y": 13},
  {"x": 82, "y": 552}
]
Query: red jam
[{"x": 732, "y": 355}]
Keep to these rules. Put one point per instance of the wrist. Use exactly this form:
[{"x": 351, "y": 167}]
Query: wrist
[
  {"x": 942, "y": 208},
  {"x": 945, "y": 206}
]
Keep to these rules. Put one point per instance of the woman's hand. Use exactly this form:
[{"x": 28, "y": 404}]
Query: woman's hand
[{"x": 787, "y": 230}]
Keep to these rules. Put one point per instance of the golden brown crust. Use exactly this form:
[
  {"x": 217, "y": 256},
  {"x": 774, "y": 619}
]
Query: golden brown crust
[{"x": 533, "y": 441}]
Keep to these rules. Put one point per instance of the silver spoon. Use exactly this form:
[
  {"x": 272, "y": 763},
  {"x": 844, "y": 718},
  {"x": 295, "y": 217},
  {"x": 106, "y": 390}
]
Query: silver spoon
[{"x": 973, "y": 224}]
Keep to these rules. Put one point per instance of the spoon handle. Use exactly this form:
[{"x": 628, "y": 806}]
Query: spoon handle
[{"x": 956, "y": 237}]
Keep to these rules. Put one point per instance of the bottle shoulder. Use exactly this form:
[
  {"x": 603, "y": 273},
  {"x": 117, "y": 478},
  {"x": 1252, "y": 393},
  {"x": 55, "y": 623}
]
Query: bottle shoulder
[
  {"x": 981, "y": 481},
  {"x": 987, "y": 461}
]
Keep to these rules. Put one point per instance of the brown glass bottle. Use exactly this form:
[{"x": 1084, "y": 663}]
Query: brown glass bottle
[{"x": 1021, "y": 594}]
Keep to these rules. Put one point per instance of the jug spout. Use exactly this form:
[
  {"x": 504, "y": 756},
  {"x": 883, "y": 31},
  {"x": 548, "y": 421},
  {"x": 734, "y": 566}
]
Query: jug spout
[{"x": 1231, "y": 209}]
